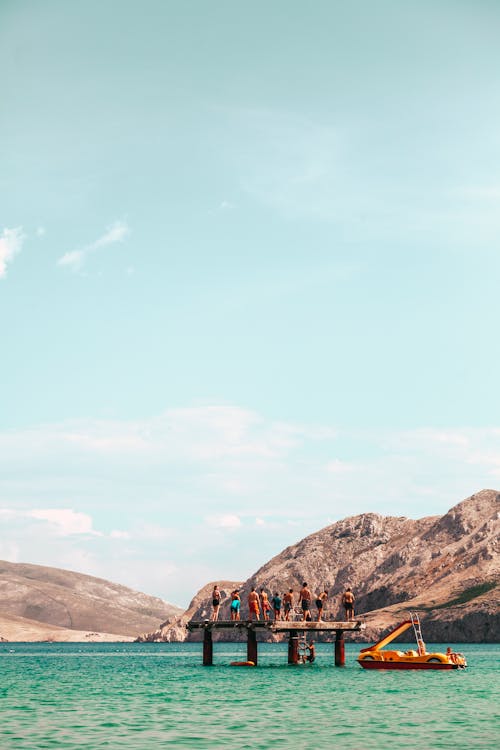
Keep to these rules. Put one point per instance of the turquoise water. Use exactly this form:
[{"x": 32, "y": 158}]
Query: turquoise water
[{"x": 145, "y": 696}]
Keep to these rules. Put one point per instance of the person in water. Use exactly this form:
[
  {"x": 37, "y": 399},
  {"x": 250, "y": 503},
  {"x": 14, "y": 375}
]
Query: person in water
[
  {"x": 320, "y": 603},
  {"x": 305, "y": 598},
  {"x": 235, "y": 605},
  {"x": 348, "y": 602},
  {"x": 216, "y": 597},
  {"x": 253, "y": 604},
  {"x": 311, "y": 656},
  {"x": 287, "y": 604},
  {"x": 276, "y": 602}
]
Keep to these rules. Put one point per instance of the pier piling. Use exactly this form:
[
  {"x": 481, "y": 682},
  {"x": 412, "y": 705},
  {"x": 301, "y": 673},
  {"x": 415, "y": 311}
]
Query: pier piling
[
  {"x": 252, "y": 645},
  {"x": 339, "y": 649},
  {"x": 293, "y": 648},
  {"x": 208, "y": 648}
]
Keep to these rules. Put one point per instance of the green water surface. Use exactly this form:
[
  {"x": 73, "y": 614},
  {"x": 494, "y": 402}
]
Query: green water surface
[{"x": 145, "y": 696}]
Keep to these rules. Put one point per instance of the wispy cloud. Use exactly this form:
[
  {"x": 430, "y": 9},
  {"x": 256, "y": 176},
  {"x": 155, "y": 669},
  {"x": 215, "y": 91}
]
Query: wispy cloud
[
  {"x": 63, "y": 521},
  {"x": 226, "y": 521},
  {"x": 11, "y": 242},
  {"x": 74, "y": 260}
]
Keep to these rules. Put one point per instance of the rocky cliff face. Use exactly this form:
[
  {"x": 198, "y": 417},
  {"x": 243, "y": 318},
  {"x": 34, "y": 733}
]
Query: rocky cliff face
[
  {"x": 73, "y": 601},
  {"x": 447, "y": 568}
]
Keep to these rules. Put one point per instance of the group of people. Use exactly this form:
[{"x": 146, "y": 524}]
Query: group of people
[{"x": 261, "y": 607}]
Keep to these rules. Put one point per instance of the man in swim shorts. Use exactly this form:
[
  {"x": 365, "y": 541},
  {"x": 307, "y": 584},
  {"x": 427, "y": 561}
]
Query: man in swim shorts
[
  {"x": 287, "y": 603},
  {"x": 348, "y": 602},
  {"x": 253, "y": 604},
  {"x": 305, "y": 598},
  {"x": 235, "y": 605},
  {"x": 276, "y": 602},
  {"x": 265, "y": 604},
  {"x": 320, "y": 603}
]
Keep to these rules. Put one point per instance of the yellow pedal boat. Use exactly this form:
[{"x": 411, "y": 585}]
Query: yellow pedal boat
[{"x": 374, "y": 657}]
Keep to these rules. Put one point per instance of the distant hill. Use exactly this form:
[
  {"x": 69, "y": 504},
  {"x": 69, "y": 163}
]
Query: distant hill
[
  {"x": 445, "y": 567},
  {"x": 39, "y": 603}
]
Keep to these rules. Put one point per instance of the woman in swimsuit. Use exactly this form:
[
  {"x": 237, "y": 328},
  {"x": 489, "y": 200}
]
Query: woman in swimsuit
[{"x": 215, "y": 603}]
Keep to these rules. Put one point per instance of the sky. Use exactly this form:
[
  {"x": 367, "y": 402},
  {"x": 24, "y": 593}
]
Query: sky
[{"x": 249, "y": 274}]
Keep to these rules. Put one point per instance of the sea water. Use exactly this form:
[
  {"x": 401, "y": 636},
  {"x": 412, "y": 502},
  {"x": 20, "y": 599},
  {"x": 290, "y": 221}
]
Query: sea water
[{"x": 150, "y": 696}]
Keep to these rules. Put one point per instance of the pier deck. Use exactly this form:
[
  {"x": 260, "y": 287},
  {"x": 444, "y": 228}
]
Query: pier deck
[{"x": 292, "y": 627}]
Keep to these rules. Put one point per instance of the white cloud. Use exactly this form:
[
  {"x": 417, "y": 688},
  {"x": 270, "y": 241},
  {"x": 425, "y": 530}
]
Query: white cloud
[
  {"x": 226, "y": 521},
  {"x": 11, "y": 242},
  {"x": 338, "y": 467},
  {"x": 75, "y": 259},
  {"x": 65, "y": 521},
  {"x": 117, "y": 534},
  {"x": 40, "y": 231}
]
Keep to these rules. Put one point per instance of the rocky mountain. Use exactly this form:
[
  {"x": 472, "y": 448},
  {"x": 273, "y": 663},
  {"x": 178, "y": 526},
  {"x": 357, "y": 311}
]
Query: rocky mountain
[
  {"x": 447, "y": 568},
  {"x": 40, "y": 603}
]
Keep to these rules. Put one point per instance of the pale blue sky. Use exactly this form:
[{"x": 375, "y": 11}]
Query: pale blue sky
[{"x": 249, "y": 269}]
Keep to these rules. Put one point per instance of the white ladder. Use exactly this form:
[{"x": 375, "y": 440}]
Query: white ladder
[
  {"x": 415, "y": 621},
  {"x": 302, "y": 646}
]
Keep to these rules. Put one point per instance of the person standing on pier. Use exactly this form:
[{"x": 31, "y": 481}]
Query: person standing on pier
[
  {"x": 235, "y": 605},
  {"x": 265, "y": 604},
  {"x": 216, "y": 596},
  {"x": 287, "y": 603},
  {"x": 348, "y": 602},
  {"x": 253, "y": 604},
  {"x": 320, "y": 603},
  {"x": 276, "y": 602},
  {"x": 305, "y": 598}
]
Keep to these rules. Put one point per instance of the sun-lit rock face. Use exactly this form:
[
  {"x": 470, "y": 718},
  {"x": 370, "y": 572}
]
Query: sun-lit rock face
[{"x": 445, "y": 567}]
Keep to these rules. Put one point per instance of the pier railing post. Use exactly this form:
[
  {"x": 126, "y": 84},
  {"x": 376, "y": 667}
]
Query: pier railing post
[
  {"x": 293, "y": 647},
  {"x": 208, "y": 648},
  {"x": 339, "y": 648},
  {"x": 252, "y": 645}
]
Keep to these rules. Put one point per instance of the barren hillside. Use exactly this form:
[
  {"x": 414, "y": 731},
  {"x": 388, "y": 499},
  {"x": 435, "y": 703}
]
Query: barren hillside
[{"x": 74, "y": 601}]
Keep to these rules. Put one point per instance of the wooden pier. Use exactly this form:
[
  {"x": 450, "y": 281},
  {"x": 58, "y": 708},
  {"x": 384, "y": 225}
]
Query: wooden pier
[{"x": 297, "y": 631}]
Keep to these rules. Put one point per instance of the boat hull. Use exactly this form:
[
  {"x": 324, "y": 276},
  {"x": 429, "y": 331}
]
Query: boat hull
[{"x": 366, "y": 664}]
